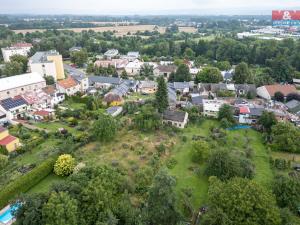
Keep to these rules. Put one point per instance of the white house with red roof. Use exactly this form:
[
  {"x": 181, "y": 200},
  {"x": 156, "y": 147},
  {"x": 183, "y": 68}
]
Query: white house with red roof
[{"x": 68, "y": 86}]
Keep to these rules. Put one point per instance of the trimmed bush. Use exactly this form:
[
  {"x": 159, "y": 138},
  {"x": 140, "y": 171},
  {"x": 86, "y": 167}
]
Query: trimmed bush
[{"x": 24, "y": 183}]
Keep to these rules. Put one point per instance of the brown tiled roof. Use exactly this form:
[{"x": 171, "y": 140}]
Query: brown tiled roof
[
  {"x": 21, "y": 44},
  {"x": 284, "y": 89},
  {"x": 167, "y": 68},
  {"x": 50, "y": 89},
  {"x": 67, "y": 83}
]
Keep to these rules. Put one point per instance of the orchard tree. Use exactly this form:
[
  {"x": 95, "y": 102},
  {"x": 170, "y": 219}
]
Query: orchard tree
[
  {"x": 285, "y": 137},
  {"x": 105, "y": 128},
  {"x": 242, "y": 74},
  {"x": 287, "y": 192},
  {"x": 3, "y": 161},
  {"x": 64, "y": 165},
  {"x": 161, "y": 96},
  {"x": 60, "y": 209},
  {"x": 209, "y": 75},
  {"x": 200, "y": 151},
  {"x": 226, "y": 165},
  {"x": 240, "y": 201}
]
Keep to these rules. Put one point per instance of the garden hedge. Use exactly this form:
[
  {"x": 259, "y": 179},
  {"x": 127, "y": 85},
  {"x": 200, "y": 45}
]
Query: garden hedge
[{"x": 25, "y": 182}]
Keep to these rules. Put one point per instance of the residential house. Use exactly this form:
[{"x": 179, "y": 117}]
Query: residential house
[
  {"x": 37, "y": 99},
  {"x": 54, "y": 94},
  {"x": 68, "y": 86},
  {"x": 14, "y": 108},
  {"x": 119, "y": 64},
  {"x": 133, "y": 68},
  {"x": 194, "y": 71},
  {"x": 131, "y": 56},
  {"x": 101, "y": 82},
  {"x": 177, "y": 119},
  {"x": 183, "y": 87},
  {"x": 172, "y": 96},
  {"x": 249, "y": 115},
  {"x": 245, "y": 90},
  {"x": 197, "y": 101},
  {"x": 43, "y": 115},
  {"x": 164, "y": 70},
  {"x": 79, "y": 76},
  {"x": 114, "y": 110},
  {"x": 9, "y": 142},
  {"x": 112, "y": 99},
  {"x": 166, "y": 63},
  {"x": 111, "y": 53},
  {"x": 48, "y": 63},
  {"x": 17, "y": 85},
  {"x": 148, "y": 87},
  {"x": 16, "y": 49},
  {"x": 293, "y": 106},
  {"x": 227, "y": 75},
  {"x": 211, "y": 107},
  {"x": 268, "y": 91}
]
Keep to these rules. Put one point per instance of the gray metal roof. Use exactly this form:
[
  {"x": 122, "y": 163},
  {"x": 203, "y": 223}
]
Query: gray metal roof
[
  {"x": 174, "y": 115},
  {"x": 198, "y": 100},
  {"x": 292, "y": 104},
  {"x": 181, "y": 85},
  {"x": 41, "y": 57},
  {"x": 104, "y": 80}
]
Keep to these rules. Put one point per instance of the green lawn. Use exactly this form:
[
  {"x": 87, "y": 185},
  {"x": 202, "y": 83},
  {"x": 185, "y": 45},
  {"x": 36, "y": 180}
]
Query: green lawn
[
  {"x": 186, "y": 178},
  {"x": 45, "y": 184},
  {"x": 54, "y": 126},
  {"x": 263, "y": 172}
]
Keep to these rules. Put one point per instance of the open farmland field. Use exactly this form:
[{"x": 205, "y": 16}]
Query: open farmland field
[{"x": 120, "y": 30}]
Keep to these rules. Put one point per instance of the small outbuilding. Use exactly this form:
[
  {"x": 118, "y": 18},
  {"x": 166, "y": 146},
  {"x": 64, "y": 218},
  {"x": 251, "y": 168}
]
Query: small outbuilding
[{"x": 177, "y": 119}]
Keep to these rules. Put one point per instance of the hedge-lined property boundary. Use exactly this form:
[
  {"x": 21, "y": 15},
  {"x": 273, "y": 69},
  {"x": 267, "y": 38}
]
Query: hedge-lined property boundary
[{"x": 24, "y": 183}]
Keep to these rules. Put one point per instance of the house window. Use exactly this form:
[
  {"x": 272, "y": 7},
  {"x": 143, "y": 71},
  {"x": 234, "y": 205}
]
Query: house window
[
  {"x": 22, "y": 89},
  {"x": 8, "y": 92}
]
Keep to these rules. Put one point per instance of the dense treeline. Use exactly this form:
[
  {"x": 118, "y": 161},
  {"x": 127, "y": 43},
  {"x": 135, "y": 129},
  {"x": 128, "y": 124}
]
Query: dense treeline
[{"x": 278, "y": 60}]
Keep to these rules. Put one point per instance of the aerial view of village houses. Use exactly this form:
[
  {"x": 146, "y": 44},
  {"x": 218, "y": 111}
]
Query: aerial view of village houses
[{"x": 139, "y": 112}]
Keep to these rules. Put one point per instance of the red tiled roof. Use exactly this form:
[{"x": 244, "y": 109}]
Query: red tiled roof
[
  {"x": 5, "y": 141},
  {"x": 50, "y": 89},
  {"x": 21, "y": 44},
  {"x": 67, "y": 83},
  {"x": 244, "y": 110},
  {"x": 42, "y": 113},
  {"x": 284, "y": 89}
]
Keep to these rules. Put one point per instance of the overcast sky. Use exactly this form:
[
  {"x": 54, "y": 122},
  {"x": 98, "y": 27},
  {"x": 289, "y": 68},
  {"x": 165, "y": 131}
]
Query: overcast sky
[{"x": 129, "y": 7}]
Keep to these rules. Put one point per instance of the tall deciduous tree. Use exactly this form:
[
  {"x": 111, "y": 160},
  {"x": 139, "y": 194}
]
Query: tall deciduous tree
[
  {"x": 209, "y": 75},
  {"x": 79, "y": 57},
  {"x": 105, "y": 128},
  {"x": 240, "y": 201},
  {"x": 161, "y": 203},
  {"x": 182, "y": 74},
  {"x": 61, "y": 209},
  {"x": 267, "y": 120},
  {"x": 20, "y": 59},
  {"x": 285, "y": 137},
  {"x": 161, "y": 96},
  {"x": 242, "y": 74},
  {"x": 287, "y": 192}
]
